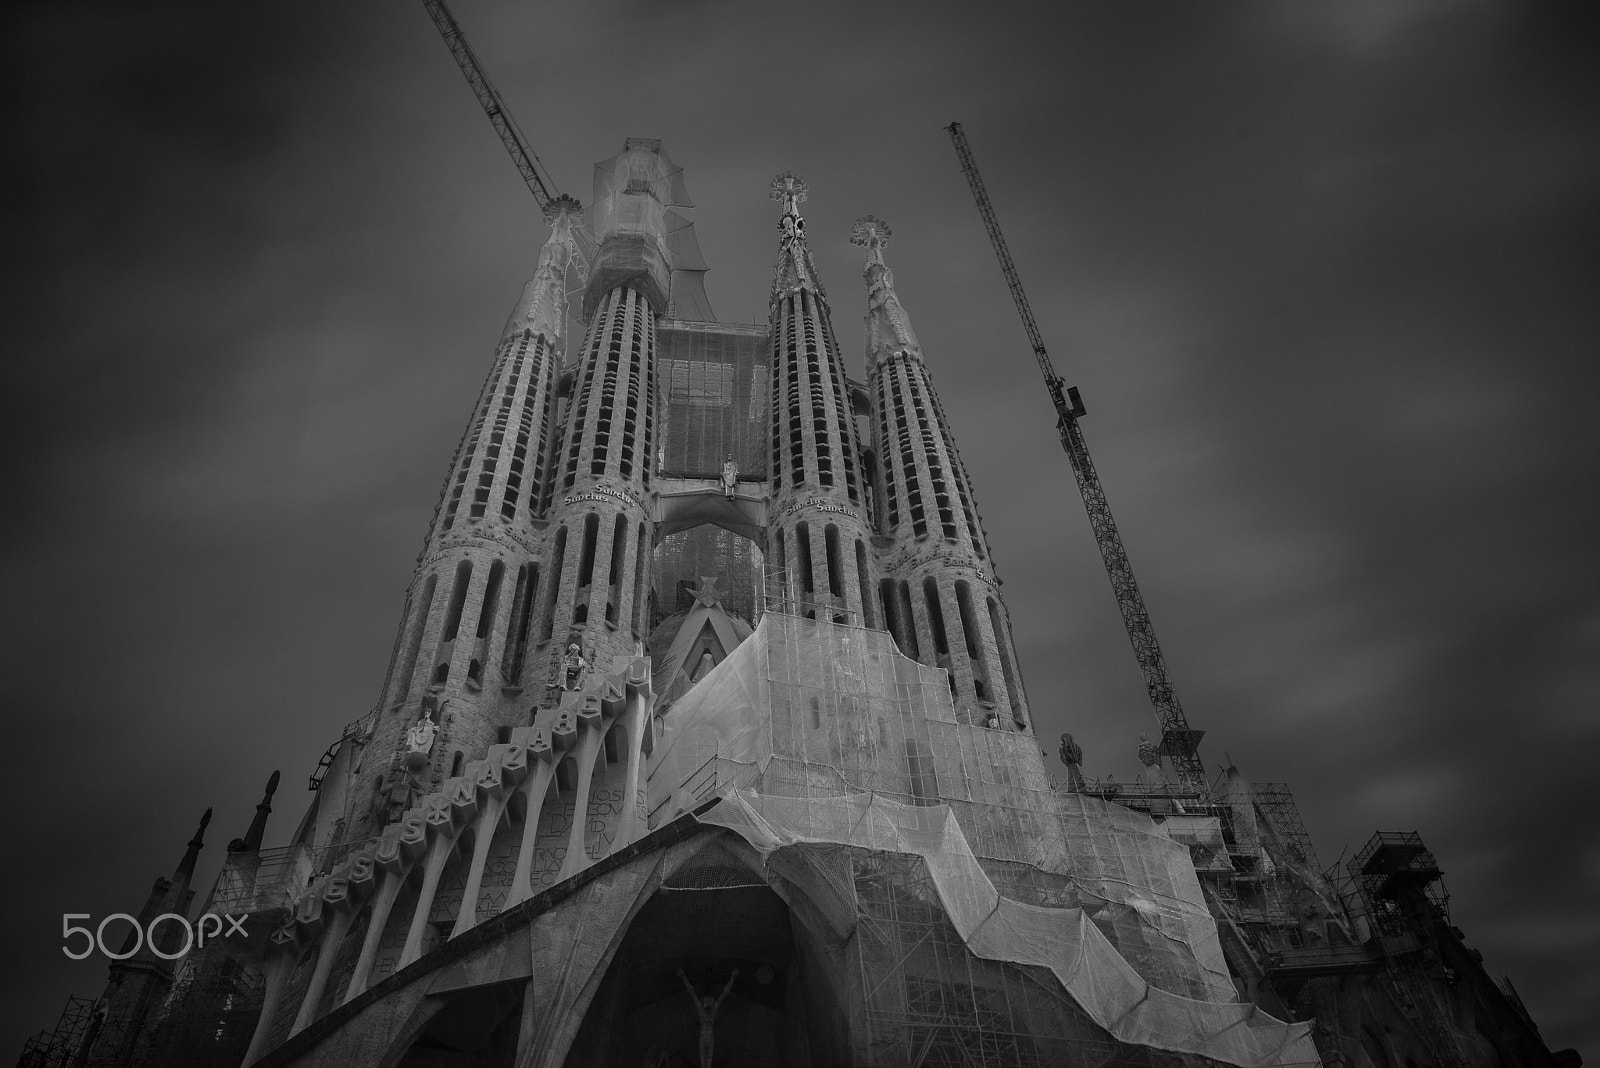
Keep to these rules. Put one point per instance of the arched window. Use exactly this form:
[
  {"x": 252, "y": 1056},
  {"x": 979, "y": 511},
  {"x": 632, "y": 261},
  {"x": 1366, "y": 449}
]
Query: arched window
[
  {"x": 835, "y": 566},
  {"x": 591, "y": 534},
  {"x": 864, "y": 583},
  {"x": 930, "y": 596},
  {"x": 802, "y": 548},
  {"x": 521, "y": 617},
  {"x": 641, "y": 583},
  {"x": 458, "y": 599},
  {"x": 419, "y": 623},
  {"x": 1002, "y": 644},
  {"x": 558, "y": 555},
  {"x": 908, "y": 621}
]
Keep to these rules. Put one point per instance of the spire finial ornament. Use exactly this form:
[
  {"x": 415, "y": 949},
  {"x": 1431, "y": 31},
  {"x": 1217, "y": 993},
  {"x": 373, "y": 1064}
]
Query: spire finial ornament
[
  {"x": 795, "y": 269},
  {"x": 258, "y": 826},
  {"x": 562, "y": 205},
  {"x": 889, "y": 332},
  {"x": 789, "y": 189},
  {"x": 872, "y": 233},
  {"x": 543, "y": 307},
  {"x": 192, "y": 854}
]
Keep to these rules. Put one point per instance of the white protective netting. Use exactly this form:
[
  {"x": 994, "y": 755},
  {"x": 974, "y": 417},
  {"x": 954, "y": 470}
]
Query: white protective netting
[{"x": 819, "y": 736}]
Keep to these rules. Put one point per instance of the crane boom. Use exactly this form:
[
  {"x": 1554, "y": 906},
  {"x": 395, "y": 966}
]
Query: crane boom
[
  {"x": 1178, "y": 741},
  {"x": 543, "y": 189}
]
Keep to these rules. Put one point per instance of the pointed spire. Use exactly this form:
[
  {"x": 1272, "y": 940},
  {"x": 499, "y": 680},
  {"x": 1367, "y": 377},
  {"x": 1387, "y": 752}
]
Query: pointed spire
[
  {"x": 258, "y": 826},
  {"x": 543, "y": 307},
  {"x": 795, "y": 269},
  {"x": 192, "y": 854},
  {"x": 888, "y": 325}
]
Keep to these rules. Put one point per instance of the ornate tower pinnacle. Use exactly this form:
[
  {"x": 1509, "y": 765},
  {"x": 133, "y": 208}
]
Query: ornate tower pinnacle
[
  {"x": 789, "y": 189},
  {"x": 888, "y": 326},
  {"x": 258, "y": 826},
  {"x": 794, "y": 269},
  {"x": 563, "y": 205},
  {"x": 192, "y": 854},
  {"x": 543, "y": 307},
  {"x": 873, "y": 234}
]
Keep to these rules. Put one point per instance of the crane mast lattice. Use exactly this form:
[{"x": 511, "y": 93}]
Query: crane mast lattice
[
  {"x": 1178, "y": 741},
  {"x": 528, "y": 164},
  {"x": 489, "y": 98}
]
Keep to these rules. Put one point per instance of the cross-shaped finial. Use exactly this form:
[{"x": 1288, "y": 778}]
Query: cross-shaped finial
[{"x": 789, "y": 189}]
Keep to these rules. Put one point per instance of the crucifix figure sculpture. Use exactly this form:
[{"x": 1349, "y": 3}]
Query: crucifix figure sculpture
[{"x": 706, "y": 1006}]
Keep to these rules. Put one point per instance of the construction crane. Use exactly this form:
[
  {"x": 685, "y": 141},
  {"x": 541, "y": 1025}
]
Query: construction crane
[
  {"x": 1179, "y": 742},
  {"x": 528, "y": 164},
  {"x": 543, "y": 190}
]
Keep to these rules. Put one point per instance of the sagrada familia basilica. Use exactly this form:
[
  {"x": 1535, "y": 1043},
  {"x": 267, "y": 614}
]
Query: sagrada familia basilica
[{"x": 704, "y": 742}]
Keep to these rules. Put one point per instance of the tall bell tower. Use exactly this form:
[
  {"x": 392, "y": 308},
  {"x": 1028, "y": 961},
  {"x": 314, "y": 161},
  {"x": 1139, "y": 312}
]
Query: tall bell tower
[{"x": 940, "y": 596}]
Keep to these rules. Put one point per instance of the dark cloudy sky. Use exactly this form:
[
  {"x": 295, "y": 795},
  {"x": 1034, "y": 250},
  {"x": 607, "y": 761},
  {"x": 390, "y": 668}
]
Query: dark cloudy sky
[{"x": 1325, "y": 272}]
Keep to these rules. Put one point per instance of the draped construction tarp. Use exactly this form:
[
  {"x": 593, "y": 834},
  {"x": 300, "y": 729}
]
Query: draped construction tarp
[{"x": 818, "y": 736}]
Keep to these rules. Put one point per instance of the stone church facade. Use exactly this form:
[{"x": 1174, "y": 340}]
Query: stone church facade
[{"x": 704, "y": 742}]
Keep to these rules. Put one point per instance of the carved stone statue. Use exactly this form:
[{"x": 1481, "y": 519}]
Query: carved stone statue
[
  {"x": 398, "y": 796},
  {"x": 1150, "y": 757},
  {"x": 574, "y": 668},
  {"x": 1071, "y": 754},
  {"x": 706, "y": 1007},
  {"x": 419, "y": 739},
  {"x": 730, "y": 476}
]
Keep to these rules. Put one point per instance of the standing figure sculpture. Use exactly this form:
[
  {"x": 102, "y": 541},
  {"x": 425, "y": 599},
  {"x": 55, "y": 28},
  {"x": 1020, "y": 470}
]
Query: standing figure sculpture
[
  {"x": 419, "y": 739},
  {"x": 706, "y": 1007},
  {"x": 574, "y": 668},
  {"x": 730, "y": 477},
  {"x": 1072, "y": 756}
]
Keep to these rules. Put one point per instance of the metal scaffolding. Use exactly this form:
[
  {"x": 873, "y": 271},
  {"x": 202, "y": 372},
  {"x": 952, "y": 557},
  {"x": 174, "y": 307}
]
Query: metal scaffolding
[{"x": 995, "y": 921}]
